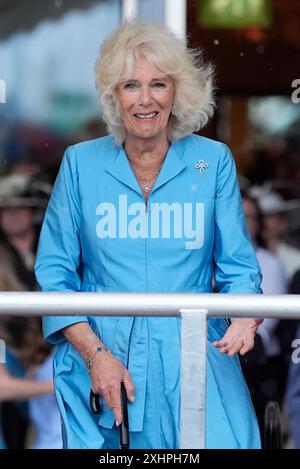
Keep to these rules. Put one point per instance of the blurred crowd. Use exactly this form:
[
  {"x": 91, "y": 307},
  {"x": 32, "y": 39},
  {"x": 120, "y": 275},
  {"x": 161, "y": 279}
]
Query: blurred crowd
[
  {"x": 30, "y": 157},
  {"x": 29, "y": 415}
]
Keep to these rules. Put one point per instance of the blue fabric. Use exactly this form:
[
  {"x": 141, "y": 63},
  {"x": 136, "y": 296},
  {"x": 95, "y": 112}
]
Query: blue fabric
[
  {"x": 71, "y": 257},
  {"x": 14, "y": 365},
  {"x": 16, "y": 369}
]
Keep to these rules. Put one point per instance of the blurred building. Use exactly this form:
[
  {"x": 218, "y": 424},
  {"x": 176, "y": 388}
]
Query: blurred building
[{"x": 255, "y": 45}]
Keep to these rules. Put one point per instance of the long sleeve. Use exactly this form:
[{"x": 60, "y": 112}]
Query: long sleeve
[
  {"x": 58, "y": 265},
  {"x": 236, "y": 266}
]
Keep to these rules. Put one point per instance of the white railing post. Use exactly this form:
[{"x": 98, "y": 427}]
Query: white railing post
[
  {"x": 193, "y": 378},
  {"x": 175, "y": 16},
  {"x": 129, "y": 9}
]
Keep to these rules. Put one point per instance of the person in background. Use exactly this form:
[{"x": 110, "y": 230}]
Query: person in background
[
  {"x": 26, "y": 380},
  {"x": 292, "y": 397},
  {"x": 22, "y": 199},
  {"x": 275, "y": 228},
  {"x": 265, "y": 367},
  {"x": 12, "y": 388},
  {"x": 36, "y": 388}
]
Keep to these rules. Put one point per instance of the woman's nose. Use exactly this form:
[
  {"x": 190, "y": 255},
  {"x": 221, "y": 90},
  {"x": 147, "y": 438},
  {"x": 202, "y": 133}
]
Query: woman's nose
[{"x": 145, "y": 97}]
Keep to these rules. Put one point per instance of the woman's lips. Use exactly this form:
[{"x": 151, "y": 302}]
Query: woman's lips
[{"x": 148, "y": 116}]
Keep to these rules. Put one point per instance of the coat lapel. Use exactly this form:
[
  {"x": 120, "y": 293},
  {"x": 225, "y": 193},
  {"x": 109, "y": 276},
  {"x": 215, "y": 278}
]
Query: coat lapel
[
  {"x": 172, "y": 166},
  {"x": 120, "y": 168}
]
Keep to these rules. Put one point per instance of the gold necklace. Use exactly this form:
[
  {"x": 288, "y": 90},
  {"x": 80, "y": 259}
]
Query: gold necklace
[{"x": 146, "y": 183}]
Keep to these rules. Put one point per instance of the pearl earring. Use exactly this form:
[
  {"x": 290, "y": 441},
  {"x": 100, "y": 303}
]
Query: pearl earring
[{"x": 173, "y": 111}]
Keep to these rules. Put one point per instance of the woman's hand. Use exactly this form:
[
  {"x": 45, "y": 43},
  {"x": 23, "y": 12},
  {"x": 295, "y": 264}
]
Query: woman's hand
[
  {"x": 107, "y": 374},
  {"x": 239, "y": 337}
]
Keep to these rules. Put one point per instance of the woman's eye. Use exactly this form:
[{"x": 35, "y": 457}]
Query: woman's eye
[
  {"x": 159, "y": 85},
  {"x": 129, "y": 86}
]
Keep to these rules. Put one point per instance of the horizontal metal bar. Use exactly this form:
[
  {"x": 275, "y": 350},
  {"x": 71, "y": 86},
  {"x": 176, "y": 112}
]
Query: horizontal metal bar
[{"x": 147, "y": 304}]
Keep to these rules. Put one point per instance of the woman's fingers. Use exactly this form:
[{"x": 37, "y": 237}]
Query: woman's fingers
[
  {"x": 248, "y": 345},
  {"x": 115, "y": 400},
  {"x": 221, "y": 343},
  {"x": 129, "y": 387},
  {"x": 107, "y": 375},
  {"x": 239, "y": 337},
  {"x": 230, "y": 345},
  {"x": 107, "y": 398},
  {"x": 107, "y": 382},
  {"x": 112, "y": 399},
  {"x": 234, "y": 345}
]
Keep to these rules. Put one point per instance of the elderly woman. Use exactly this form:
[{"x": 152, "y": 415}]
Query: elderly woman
[{"x": 149, "y": 208}]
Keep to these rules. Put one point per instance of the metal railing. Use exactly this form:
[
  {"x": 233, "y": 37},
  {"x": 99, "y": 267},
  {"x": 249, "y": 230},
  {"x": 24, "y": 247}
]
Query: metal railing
[{"x": 194, "y": 309}]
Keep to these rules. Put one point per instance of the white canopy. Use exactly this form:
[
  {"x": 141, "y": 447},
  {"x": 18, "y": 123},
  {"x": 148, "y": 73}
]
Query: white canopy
[{"x": 20, "y": 15}]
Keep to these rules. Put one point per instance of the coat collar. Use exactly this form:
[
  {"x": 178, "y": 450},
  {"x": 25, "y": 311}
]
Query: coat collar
[{"x": 173, "y": 165}]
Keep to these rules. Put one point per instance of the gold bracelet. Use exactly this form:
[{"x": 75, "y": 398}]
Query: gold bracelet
[{"x": 99, "y": 351}]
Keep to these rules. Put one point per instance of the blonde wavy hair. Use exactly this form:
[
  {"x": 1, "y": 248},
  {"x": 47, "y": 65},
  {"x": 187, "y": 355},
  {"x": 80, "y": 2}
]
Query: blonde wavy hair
[{"x": 194, "y": 98}]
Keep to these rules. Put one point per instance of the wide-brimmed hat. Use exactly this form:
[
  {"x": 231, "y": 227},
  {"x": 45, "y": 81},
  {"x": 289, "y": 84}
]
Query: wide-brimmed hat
[
  {"x": 271, "y": 202},
  {"x": 22, "y": 190}
]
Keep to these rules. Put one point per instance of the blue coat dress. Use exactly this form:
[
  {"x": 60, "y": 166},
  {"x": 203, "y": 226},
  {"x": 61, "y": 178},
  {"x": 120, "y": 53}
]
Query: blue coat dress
[{"x": 98, "y": 237}]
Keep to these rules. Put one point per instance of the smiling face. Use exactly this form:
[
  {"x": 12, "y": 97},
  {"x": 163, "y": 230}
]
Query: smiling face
[{"x": 145, "y": 101}]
